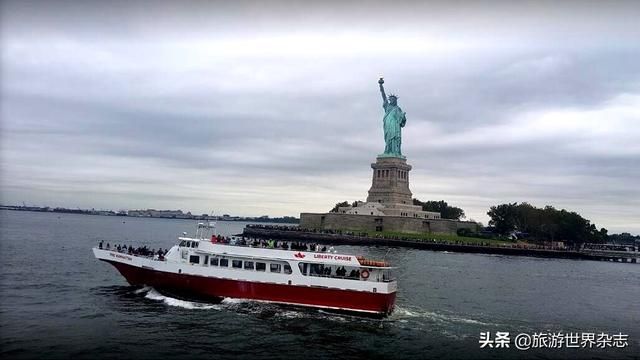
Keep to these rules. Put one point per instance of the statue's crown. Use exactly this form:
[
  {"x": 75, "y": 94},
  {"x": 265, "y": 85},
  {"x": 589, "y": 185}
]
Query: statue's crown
[{"x": 393, "y": 96}]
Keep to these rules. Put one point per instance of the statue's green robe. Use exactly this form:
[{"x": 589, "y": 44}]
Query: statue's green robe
[{"x": 394, "y": 119}]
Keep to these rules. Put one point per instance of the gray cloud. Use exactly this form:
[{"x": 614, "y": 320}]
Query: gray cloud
[{"x": 255, "y": 108}]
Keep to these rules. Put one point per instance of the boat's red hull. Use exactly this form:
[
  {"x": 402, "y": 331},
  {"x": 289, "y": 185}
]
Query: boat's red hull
[{"x": 210, "y": 287}]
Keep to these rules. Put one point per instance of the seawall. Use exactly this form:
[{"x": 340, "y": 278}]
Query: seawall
[{"x": 341, "y": 239}]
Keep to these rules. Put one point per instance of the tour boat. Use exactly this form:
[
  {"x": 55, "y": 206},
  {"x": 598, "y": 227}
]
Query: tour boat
[{"x": 203, "y": 267}]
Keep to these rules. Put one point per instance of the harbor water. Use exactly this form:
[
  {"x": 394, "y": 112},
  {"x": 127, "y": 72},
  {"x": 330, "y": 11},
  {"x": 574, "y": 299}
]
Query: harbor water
[{"x": 57, "y": 301}]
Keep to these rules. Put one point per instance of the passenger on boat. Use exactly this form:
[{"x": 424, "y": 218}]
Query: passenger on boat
[
  {"x": 108, "y": 246},
  {"x": 100, "y": 245},
  {"x": 324, "y": 249}
]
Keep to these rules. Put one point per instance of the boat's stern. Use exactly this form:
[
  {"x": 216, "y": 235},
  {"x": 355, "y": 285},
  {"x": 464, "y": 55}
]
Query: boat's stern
[{"x": 390, "y": 301}]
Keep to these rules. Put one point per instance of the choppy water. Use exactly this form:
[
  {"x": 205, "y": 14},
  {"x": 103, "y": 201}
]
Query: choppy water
[{"x": 57, "y": 301}]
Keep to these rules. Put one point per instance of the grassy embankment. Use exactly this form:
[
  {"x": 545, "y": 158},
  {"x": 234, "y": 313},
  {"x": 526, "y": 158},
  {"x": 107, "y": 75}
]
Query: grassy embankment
[{"x": 434, "y": 236}]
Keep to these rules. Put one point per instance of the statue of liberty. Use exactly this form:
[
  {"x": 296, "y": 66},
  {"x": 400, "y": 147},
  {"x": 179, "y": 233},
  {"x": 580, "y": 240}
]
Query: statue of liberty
[{"x": 394, "y": 120}]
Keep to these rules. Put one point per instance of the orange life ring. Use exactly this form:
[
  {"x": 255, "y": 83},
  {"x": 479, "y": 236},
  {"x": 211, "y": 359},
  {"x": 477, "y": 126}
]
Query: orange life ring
[{"x": 365, "y": 274}]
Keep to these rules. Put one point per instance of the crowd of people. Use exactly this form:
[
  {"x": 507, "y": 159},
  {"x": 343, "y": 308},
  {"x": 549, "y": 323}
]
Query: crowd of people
[
  {"x": 301, "y": 229},
  {"x": 138, "y": 251},
  {"x": 284, "y": 245},
  {"x": 321, "y": 270},
  {"x": 269, "y": 243}
]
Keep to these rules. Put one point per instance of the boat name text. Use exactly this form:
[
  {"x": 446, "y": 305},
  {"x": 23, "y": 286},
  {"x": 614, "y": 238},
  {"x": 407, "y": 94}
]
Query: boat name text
[
  {"x": 332, "y": 257},
  {"x": 120, "y": 256}
]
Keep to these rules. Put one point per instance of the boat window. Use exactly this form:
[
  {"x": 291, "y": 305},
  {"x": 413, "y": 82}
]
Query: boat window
[
  {"x": 182, "y": 243},
  {"x": 188, "y": 243},
  {"x": 274, "y": 268},
  {"x": 224, "y": 262},
  {"x": 248, "y": 265},
  {"x": 194, "y": 259},
  {"x": 311, "y": 269},
  {"x": 195, "y": 244},
  {"x": 214, "y": 261},
  {"x": 303, "y": 268},
  {"x": 206, "y": 260},
  {"x": 316, "y": 269},
  {"x": 236, "y": 264},
  {"x": 387, "y": 275},
  {"x": 260, "y": 266},
  {"x": 287, "y": 269}
]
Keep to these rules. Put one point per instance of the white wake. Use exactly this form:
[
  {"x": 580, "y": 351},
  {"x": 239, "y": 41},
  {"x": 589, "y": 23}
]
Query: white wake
[
  {"x": 152, "y": 294},
  {"x": 401, "y": 313}
]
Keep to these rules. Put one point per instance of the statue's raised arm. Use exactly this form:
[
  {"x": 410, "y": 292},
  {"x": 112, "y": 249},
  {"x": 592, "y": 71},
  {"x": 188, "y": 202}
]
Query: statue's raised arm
[{"x": 385, "y": 102}]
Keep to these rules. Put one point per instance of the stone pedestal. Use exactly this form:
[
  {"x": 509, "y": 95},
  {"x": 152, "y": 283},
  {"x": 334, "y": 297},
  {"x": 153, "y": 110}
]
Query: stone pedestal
[{"x": 390, "y": 183}]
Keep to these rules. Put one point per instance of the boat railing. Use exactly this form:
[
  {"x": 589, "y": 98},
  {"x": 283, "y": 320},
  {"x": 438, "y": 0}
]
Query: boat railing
[
  {"x": 385, "y": 280},
  {"x": 372, "y": 263}
]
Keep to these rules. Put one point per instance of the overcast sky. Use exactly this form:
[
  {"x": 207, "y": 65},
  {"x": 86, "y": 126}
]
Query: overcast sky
[{"x": 259, "y": 107}]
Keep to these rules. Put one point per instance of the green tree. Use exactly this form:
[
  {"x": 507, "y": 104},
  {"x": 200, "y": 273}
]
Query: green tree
[
  {"x": 340, "y": 204},
  {"x": 446, "y": 211},
  {"x": 504, "y": 218},
  {"x": 546, "y": 223}
]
